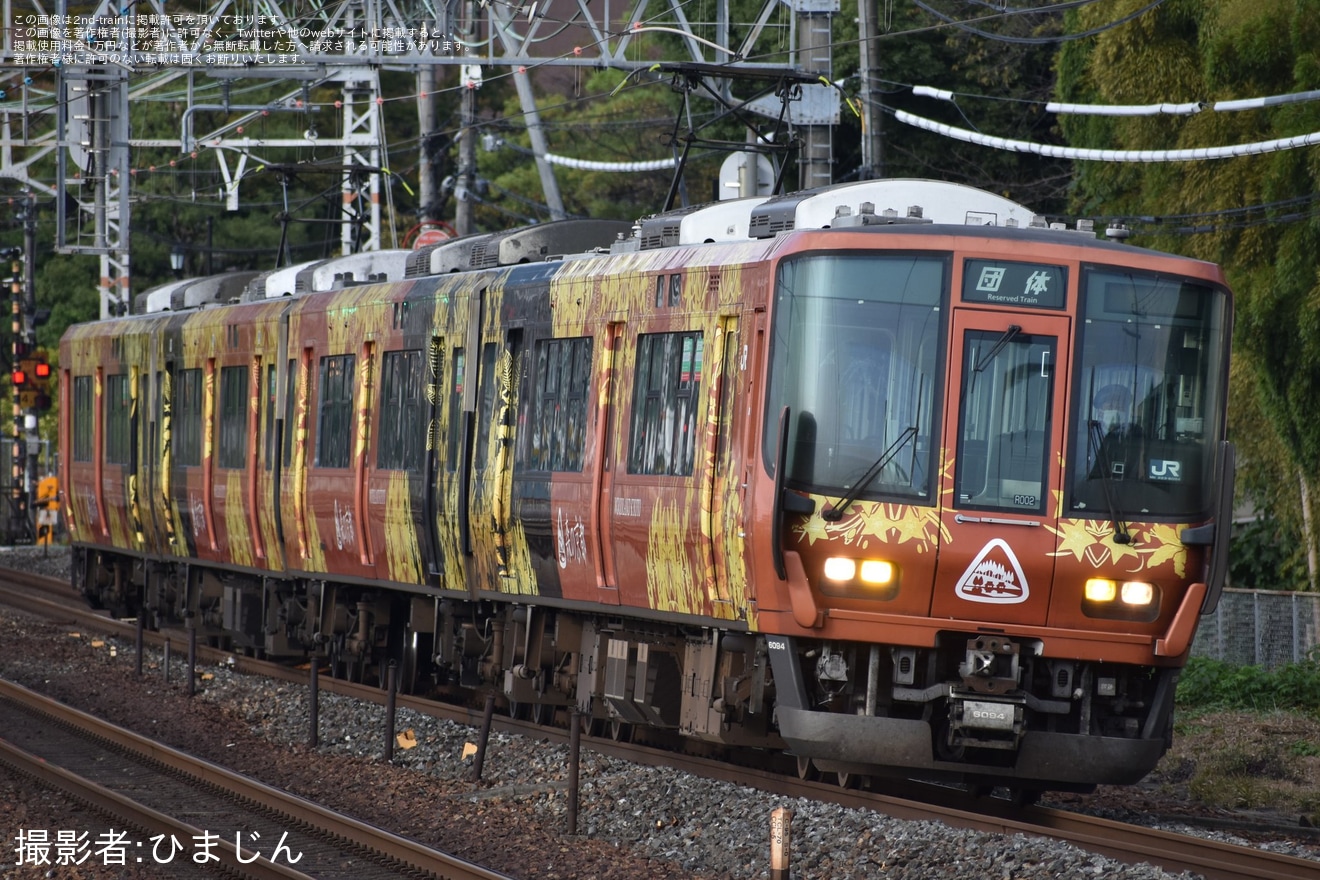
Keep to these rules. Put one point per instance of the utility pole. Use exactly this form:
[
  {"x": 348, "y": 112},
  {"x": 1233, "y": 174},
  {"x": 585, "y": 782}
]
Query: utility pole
[
  {"x": 428, "y": 189},
  {"x": 22, "y": 303},
  {"x": 872, "y": 144},
  {"x": 815, "y": 44},
  {"x": 17, "y": 500},
  {"x": 30, "y": 340},
  {"x": 466, "y": 183}
]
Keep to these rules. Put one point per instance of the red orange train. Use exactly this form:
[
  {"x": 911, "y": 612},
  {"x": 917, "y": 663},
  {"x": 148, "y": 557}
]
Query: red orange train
[{"x": 934, "y": 492}]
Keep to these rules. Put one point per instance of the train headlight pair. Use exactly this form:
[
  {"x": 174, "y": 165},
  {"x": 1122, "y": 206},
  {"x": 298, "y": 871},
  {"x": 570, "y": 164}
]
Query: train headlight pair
[
  {"x": 876, "y": 572},
  {"x": 1107, "y": 597},
  {"x": 1134, "y": 593},
  {"x": 873, "y": 578}
]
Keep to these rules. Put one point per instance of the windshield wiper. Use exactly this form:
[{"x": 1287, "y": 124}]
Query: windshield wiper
[
  {"x": 1097, "y": 442},
  {"x": 1012, "y": 331},
  {"x": 835, "y": 512}
]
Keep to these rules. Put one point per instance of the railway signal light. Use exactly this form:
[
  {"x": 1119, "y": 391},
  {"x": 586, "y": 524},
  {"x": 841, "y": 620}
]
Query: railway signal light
[{"x": 24, "y": 374}]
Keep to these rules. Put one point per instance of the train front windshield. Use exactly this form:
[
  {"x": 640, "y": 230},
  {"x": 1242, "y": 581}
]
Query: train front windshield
[
  {"x": 1149, "y": 386},
  {"x": 856, "y": 359}
]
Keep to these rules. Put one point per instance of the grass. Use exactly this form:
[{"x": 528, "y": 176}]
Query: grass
[{"x": 1248, "y": 738}]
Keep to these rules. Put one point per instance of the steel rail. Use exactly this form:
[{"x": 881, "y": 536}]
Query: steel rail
[
  {"x": 139, "y": 816},
  {"x": 1215, "y": 860},
  {"x": 410, "y": 853}
]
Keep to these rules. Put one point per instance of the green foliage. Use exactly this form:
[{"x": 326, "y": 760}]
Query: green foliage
[
  {"x": 1208, "y": 684},
  {"x": 1262, "y": 556},
  {"x": 917, "y": 49},
  {"x": 1210, "y": 50},
  {"x": 624, "y": 126}
]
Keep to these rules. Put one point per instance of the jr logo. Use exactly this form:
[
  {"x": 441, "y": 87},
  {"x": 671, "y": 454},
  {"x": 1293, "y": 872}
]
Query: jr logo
[{"x": 1165, "y": 469}]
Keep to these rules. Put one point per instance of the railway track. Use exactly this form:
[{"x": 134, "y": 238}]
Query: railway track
[
  {"x": 188, "y": 808},
  {"x": 1212, "y": 859}
]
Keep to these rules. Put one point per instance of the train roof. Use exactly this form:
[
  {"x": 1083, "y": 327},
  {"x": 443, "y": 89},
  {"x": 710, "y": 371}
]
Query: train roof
[
  {"x": 193, "y": 293},
  {"x": 900, "y": 204}
]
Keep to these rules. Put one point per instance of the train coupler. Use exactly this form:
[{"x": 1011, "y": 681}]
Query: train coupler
[
  {"x": 985, "y": 724},
  {"x": 991, "y": 665}
]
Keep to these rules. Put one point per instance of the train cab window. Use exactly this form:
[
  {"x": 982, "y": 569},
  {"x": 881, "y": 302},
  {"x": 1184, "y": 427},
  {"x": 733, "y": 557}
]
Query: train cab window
[
  {"x": 665, "y": 402},
  {"x": 402, "y": 440},
  {"x": 1008, "y": 380},
  {"x": 856, "y": 358},
  {"x": 334, "y": 427},
  {"x": 116, "y": 418},
  {"x": 232, "y": 451},
  {"x": 557, "y": 418},
  {"x": 1152, "y": 353},
  {"x": 187, "y": 417},
  {"x": 84, "y": 428}
]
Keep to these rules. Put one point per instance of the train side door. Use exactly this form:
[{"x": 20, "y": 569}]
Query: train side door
[
  {"x": 1005, "y": 433},
  {"x": 725, "y": 578}
]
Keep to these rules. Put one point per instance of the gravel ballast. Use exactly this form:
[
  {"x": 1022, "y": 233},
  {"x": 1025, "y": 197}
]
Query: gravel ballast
[{"x": 635, "y": 821}]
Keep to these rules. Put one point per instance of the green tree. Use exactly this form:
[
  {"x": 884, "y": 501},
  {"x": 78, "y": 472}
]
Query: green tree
[{"x": 1215, "y": 50}]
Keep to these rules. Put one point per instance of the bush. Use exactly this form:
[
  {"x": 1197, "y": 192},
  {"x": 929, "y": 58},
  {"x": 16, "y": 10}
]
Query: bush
[{"x": 1212, "y": 684}]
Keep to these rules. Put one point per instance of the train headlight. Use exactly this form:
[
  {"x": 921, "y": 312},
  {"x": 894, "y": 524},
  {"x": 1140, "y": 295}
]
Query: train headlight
[
  {"x": 1101, "y": 590},
  {"x": 840, "y": 568},
  {"x": 877, "y": 572},
  {"x": 1138, "y": 593}
]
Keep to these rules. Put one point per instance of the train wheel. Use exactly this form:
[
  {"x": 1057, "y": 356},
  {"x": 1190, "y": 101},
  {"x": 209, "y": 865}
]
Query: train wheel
[
  {"x": 542, "y": 713},
  {"x": 620, "y": 731},
  {"x": 517, "y": 710},
  {"x": 332, "y": 658},
  {"x": 406, "y": 681},
  {"x": 1025, "y": 797},
  {"x": 806, "y": 770},
  {"x": 848, "y": 780}
]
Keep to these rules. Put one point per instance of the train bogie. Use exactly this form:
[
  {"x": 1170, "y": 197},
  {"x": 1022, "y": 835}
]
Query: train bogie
[{"x": 899, "y": 496}]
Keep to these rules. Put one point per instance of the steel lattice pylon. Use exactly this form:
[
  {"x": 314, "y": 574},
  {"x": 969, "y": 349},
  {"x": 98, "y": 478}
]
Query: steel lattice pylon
[{"x": 87, "y": 121}]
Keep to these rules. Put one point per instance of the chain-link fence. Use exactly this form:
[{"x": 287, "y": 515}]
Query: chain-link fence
[{"x": 1260, "y": 628}]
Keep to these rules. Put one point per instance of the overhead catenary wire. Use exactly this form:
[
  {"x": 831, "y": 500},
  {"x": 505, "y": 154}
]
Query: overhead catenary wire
[{"x": 1056, "y": 151}]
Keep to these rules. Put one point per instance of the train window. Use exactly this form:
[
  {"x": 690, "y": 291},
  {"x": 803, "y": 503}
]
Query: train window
[
  {"x": 270, "y": 415},
  {"x": 116, "y": 418},
  {"x": 402, "y": 440},
  {"x": 660, "y": 291},
  {"x": 498, "y": 394},
  {"x": 558, "y": 406},
  {"x": 334, "y": 427},
  {"x": 84, "y": 429},
  {"x": 290, "y": 401},
  {"x": 1152, "y": 354},
  {"x": 456, "y": 411},
  {"x": 855, "y": 356},
  {"x": 187, "y": 417},
  {"x": 232, "y": 451},
  {"x": 1005, "y": 420},
  {"x": 665, "y": 401},
  {"x": 675, "y": 289}
]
